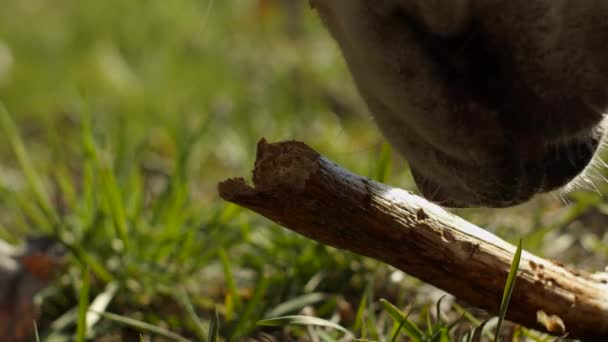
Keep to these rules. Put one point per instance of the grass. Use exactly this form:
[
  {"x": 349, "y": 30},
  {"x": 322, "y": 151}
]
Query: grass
[
  {"x": 508, "y": 290},
  {"x": 118, "y": 120}
]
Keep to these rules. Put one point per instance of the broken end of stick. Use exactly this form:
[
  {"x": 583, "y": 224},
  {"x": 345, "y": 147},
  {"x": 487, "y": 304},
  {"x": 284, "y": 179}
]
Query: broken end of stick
[
  {"x": 283, "y": 166},
  {"x": 233, "y": 189}
]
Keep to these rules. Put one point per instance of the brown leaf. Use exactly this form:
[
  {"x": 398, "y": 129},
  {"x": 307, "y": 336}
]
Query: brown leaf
[{"x": 24, "y": 271}]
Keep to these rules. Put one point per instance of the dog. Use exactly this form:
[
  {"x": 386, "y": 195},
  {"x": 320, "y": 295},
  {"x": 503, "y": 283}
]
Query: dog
[{"x": 490, "y": 101}]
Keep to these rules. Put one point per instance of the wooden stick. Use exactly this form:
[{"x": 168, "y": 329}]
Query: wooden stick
[{"x": 305, "y": 192}]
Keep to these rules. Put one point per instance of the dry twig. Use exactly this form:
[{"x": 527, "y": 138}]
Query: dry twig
[{"x": 303, "y": 191}]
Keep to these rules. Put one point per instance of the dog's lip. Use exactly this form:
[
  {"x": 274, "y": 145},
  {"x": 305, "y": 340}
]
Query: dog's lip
[
  {"x": 577, "y": 152},
  {"x": 440, "y": 195},
  {"x": 535, "y": 161}
]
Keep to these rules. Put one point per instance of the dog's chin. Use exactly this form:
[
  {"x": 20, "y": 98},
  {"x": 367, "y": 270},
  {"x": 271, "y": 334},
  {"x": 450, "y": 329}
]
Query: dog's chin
[{"x": 517, "y": 179}]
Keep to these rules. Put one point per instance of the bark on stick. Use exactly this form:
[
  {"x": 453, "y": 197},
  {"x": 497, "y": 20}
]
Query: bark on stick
[{"x": 303, "y": 191}]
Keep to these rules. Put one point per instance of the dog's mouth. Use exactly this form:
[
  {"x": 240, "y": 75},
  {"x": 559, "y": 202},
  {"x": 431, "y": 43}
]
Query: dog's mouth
[{"x": 516, "y": 180}]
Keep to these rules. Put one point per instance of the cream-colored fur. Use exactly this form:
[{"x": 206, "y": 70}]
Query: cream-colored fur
[{"x": 491, "y": 101}]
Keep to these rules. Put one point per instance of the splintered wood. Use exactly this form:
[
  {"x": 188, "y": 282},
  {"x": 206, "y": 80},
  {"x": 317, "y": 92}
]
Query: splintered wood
[{"x": 303, "y": 191}]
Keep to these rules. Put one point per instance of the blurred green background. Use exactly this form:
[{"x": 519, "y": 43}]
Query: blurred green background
[{"x": 130, "y": 112}]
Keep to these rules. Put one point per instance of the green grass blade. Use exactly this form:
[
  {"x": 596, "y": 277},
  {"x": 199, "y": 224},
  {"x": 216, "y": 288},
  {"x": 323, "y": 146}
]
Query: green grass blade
[
  {"x": 296, "y": 304},
  {"x": 64, "y": 182},
  {"x": 438, "y": 309},
  {"x": 410, "y": 329},
  {"x": 88, "y": 260},
  {"x": 371, "y": 319},
  {"x": 302, "y": 320},
  {"x": 115, "y": 201},
  {"x": 233, "y": 299},
  {"x": 214, "y": 327},
  {"x": 34, "y": 213},
  {"x": 325, "y": 337},
  {"x": 200, "y": 329},
  {"x": 506, "y": 297},
  {"x": 83, "y": 306},
  {"x": 109, "y": 185},
  {"x": 429, "y": 323},
  {"x": 397, "y": 331},
  {"x": 143, "y": 326},
  {"x": 23, "y": 158},
  {"x": 440, "y": 335},
  {"x": 359, "y": 324},
  {"x": 247, "y": 315}
]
